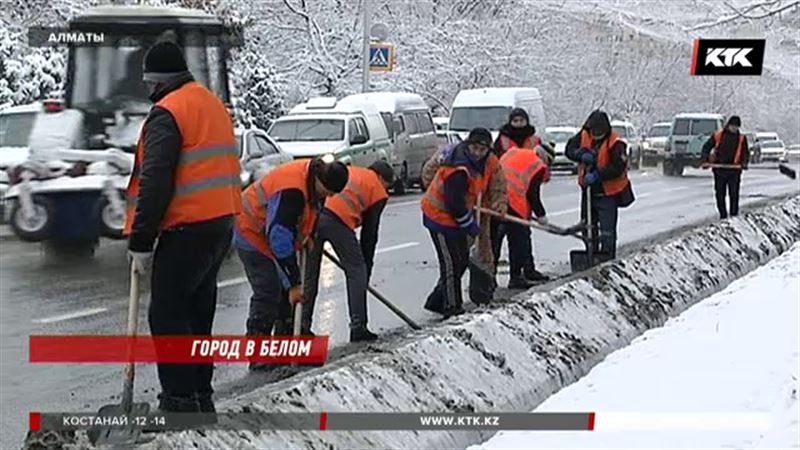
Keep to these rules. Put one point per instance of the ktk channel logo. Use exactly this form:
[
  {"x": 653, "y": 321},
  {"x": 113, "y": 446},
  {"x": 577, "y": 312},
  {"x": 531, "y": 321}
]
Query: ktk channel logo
[{"x": 728, "y": 57}]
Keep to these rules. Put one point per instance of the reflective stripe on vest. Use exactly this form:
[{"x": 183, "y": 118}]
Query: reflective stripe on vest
[
  {"x": 364, "y": 189},
  {"x": 251, "y": 225},
  {"x": 737, "y": 159},
  {"x": 520, "y": 166},
  {"x": 531, "y": 141},
  {"x": 610, "y": 187},
  {"x": 207, "y": 178}
]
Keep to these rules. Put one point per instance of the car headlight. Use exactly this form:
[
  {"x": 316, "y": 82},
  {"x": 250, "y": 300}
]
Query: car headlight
[{"x": 645, "y": 145}]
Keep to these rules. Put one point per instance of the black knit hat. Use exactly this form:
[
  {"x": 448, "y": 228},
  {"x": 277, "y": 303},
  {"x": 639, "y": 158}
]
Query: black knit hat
[
  {"x": 334, "y": 176},
  {"x": 519, "y": 112},
  {"x": 384, "y": 170},
  {"x": 480, "y": 136},
  {"x": 735, "y": 120},
  {"x": 164, "y": 59}
]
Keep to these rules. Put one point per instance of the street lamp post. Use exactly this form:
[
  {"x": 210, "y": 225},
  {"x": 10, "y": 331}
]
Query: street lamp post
[{"x": 365, "y": 66}]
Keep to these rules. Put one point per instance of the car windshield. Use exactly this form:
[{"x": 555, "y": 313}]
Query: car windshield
[
  {"x": 109, "y": 78},
  {"x": 621, "y": 131},
  {"x": 16, "y": 128},
  {"x": 703, "y": 127},
  {"x": 659, "y": 131},
  {"x": 307, "y": 130},
  {"x": 492, "y": 118},
  {"x": 559, "y": 136},
  {"x": 772, "y": 144}
]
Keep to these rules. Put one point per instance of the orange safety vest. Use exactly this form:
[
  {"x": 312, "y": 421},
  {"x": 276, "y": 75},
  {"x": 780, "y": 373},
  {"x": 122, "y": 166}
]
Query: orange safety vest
[
  {"x": 739, "y": 148},
  {"x": 251, "y": 225},
  {"x": 530, "y": 142},
  {"x": 520, "y": 166},
  {"x": 610, "y": 187},
  {"x": 364, "y": 189},
  {"x": 433, "y": 202},
  {"x": 207, "y": 179}
]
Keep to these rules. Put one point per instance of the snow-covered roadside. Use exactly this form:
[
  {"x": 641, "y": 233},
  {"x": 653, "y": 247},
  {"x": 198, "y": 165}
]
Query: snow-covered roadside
[{"x": 737, "y": 351}]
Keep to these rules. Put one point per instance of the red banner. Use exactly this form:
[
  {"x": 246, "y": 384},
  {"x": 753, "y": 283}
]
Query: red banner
[{"x": 178, "y": 349}]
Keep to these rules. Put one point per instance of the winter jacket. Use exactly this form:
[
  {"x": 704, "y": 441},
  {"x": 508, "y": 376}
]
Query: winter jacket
[
  {"x": 726, "y": 150},
  {"x": 517, "y": 135}
]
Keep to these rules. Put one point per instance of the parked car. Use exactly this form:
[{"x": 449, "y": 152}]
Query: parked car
[
  {"x": 654, "y": 142},
  {"x": 353, "y": 134},
  {"x": 559, "y": 136},
  {"x": 258, "y": 154},
  {"x": 411, "y": 130},
  {"x": 441, "y": 123},
  {"x": 628, "y": 133},
  {"x": 752, "y": 147},
  {"x": 792, "y": 153},
  {"x": 755, "y": 141},
  {"x": 773, "y": 151},
  {"x": 489, "y": 108},
  {"x": 688, "y": 134}
]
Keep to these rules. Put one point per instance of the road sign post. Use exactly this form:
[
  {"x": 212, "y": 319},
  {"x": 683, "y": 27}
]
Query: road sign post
[{"x": 381, "y": 57}]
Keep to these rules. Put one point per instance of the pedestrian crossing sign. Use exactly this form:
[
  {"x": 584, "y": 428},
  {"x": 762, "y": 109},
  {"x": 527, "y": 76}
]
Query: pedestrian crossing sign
[{"x": 381, "y": 57}]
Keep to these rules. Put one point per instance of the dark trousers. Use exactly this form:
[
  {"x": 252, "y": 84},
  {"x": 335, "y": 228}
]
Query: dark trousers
[
  {"x": 344, "y": 242},
  {"x": 520, "y": 247},
  {"x": 184, "y": 299},
  {"x": 269, "y": 304},
  {"x": 605, "y": 214},
  {"x": 452, "y": 250},
  {"x": 727, "y": 181}
]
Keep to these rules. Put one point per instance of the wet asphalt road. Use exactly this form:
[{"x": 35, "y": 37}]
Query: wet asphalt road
[{"x": 40, "y": 296}]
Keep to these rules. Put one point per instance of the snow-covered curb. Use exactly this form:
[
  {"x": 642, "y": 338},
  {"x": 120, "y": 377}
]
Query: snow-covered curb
[{"x": 512, "y": 358}]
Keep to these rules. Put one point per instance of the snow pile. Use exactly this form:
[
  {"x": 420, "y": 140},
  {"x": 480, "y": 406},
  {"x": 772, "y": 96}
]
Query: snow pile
[
  {"x": 733, "y": 353},
  {"x": 513, "y": 357}
]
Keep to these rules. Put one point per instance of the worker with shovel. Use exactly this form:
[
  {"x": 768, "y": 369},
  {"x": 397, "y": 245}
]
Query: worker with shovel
[
  {"x": 603, "y": 176},
  {"x": 726, "y": 152},
  {"x": 525, "y": 169},
  {"x": 461, "y": 179},
  {"x": 359, "y": 204},
  {"x": 184, "y": 192},
  {"x": 280, "y": 213}
]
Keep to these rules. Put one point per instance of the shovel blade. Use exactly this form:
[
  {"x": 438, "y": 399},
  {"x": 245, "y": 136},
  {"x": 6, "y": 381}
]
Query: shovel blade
[
  {"x": 114, "y": 435},
  {"x": 579, "y": 260}
]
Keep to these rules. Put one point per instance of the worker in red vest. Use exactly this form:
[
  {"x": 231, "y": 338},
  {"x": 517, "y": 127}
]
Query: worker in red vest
[
  {"x": 280, "y": 214},
  {"x": 449, "y": 215},
  {"x": 603, "y": 166},
  {"x": 184, "y": 191},
  {"x": 518, "y": 132},
  {"x": 360, "y": 204},
  {"x": 525, "y": 170},
  {"x": 727, "y": 146}
]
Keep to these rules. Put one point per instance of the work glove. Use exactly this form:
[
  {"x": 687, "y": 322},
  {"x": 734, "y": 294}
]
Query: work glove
[
  {"x": 543, "y": 220},
  {"x": 296, "y": 295},
  {"x": 592, "y": 177},
  {"x": 588, "y": 157},
  {"x": 142, "y": 261}
]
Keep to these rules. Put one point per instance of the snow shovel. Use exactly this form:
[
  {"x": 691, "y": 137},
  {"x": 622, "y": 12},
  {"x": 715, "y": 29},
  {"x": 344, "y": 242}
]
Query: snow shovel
[
  {"x": 580, "y": 260},
  {"x": 297, "y": 321},
  {"x": 129, "y": 434},
  {"x": 377, "y": 295},
  {"x": 783, "y": 169},
  {"x": 573, "y": 230},
  {"x": 482, "y": 282}
]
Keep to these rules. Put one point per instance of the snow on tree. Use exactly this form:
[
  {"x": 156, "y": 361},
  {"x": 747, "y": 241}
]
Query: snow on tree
[{"x": 258, "y": 94}]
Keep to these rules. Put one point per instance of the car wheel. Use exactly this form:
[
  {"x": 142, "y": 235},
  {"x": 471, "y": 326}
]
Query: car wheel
[
  {"x": 37, "y": 227},
  {"x": 112, "y": 222},
  {"x": 401, "y": 182},
  {"x": 678, "y": 171},
  {"x": 667, "y": 168}
]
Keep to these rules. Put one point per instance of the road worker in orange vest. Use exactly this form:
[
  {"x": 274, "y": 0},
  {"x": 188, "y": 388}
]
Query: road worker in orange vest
[
  {"x": 449, "y": 215},
  {"x": 184, "y": 191},
  {"x": 603, "y": 166},
  {"x": 280, "y": 214},
  {"x": 518, "y": 132},
  {"x": 727, "y": 146},
  {"x": 360, "y": 204},
  {"x": 525, "y": 169}
]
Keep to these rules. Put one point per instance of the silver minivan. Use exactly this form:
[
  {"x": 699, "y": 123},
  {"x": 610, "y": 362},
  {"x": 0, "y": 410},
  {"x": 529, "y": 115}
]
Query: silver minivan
[{"x": 411, "y": 130}]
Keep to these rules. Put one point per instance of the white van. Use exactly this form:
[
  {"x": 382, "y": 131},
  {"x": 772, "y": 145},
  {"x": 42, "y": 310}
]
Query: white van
[
  {"x": 489, "y": 108},
  {"x": 353, "y": 133},
  {"x": 411, "y": 130}
]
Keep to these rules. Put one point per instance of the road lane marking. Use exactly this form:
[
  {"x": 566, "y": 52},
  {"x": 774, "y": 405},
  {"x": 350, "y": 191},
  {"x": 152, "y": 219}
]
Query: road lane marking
[
  {"x": 397, "y": 247},
  {"x": 72, "y": 315},
  {"x": 406, "y": 203},
  {"x": 638, "y": 196},
  {"x": 241, "y": 280}
]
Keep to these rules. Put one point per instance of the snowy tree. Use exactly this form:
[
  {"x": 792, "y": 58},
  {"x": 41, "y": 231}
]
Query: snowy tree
[{"x": 258, "y": 94}]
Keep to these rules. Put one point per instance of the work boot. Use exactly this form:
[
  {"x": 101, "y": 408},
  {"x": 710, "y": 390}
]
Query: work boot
[
  {"x": 536, "y": 276},
  {"x": 178, "y": 403},
  {"x": 206, "y": 405},
  {"x": 362, "y": 334},
  {"x": 519, "y": 283}
]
